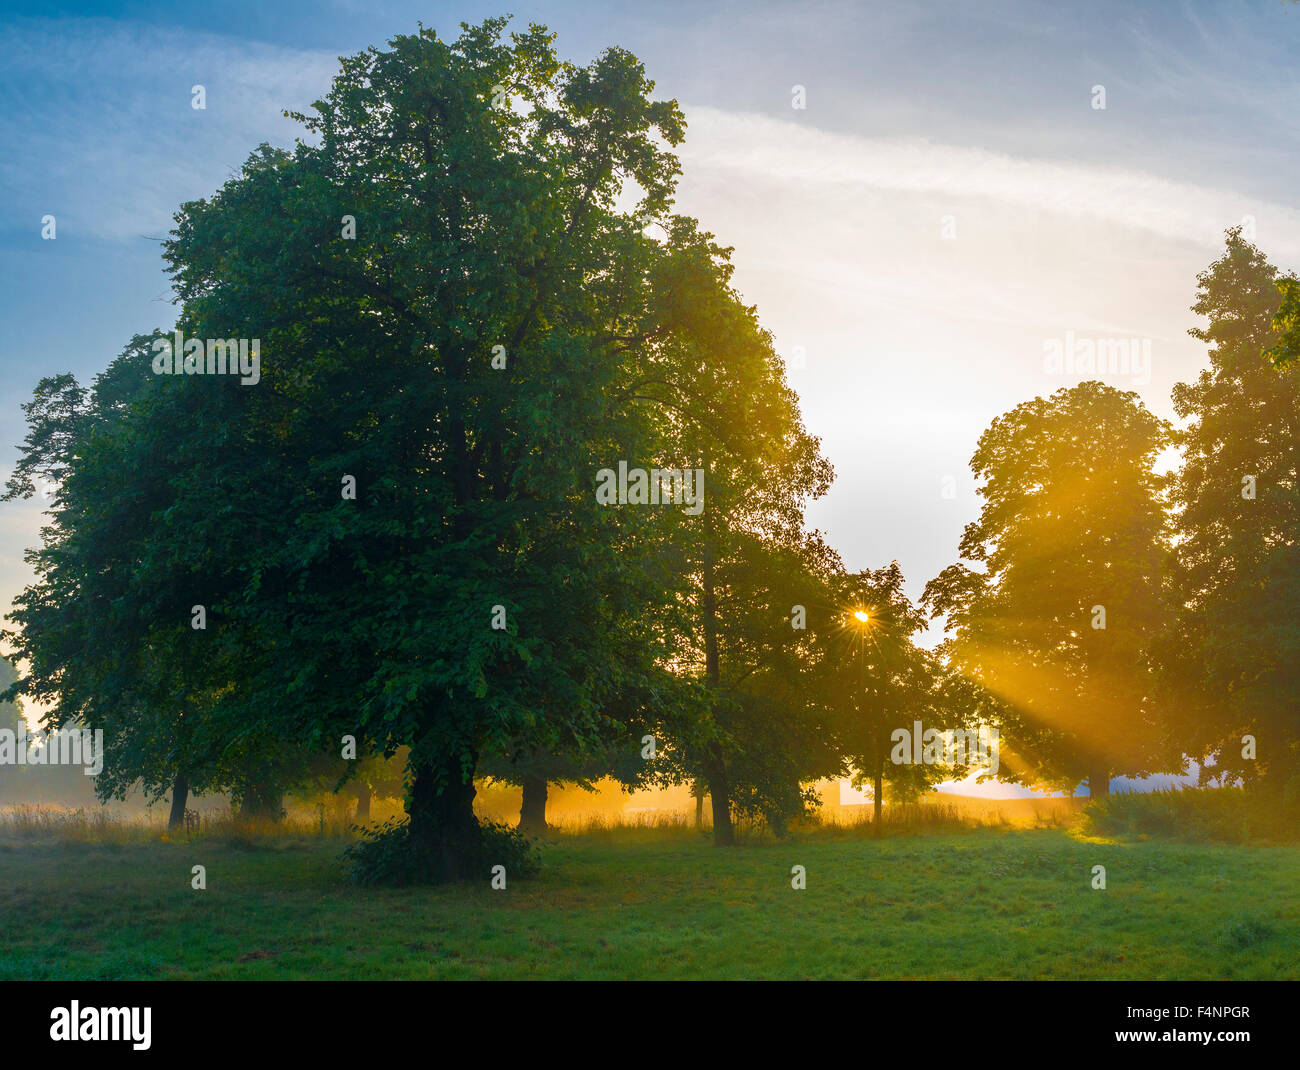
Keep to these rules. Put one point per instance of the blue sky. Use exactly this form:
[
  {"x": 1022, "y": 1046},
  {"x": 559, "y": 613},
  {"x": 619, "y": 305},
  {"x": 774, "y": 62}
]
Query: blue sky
[{"x": 978, "y": 118}]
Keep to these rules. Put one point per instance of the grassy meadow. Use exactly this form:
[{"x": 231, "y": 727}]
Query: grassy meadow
[{"x": 939, "y": 897}]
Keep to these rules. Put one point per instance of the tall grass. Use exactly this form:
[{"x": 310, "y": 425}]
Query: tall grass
[
  {"x": 900, "y": 819},
  {"x": 896, "y": 819},
  {"x": 94, "y": 825},
  {"x": 53, "y": 824},
  {"x": 1195, "y": 815},
  {"x": 603, "y": 824}
]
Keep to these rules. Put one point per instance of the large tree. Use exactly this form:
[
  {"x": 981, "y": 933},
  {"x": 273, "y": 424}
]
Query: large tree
[
  {"x": 1232, "y": 653},
  {"x": 1054, "y": 614},
  {"x": 465, "y": 359},
  {"x": 392, "y": 527}
]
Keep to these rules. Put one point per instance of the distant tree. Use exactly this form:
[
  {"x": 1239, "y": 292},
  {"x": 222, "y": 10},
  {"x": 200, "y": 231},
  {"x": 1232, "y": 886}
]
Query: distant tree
[
  {"x": 11, "y": 720},
  {"x": 376, "y": 777},
  {"x": 1055, "y": 621},
  {"x": 533, "y": 773},
  {"x": 766, "y": 735},
  {"x": 879, "y": 681},
  {"x": 10, "y": 716},
  {"x": 1232, "y": 652},
  {"x": 352, "y": 782},
  {"x": 109, "y": 648},
  {"x": 630, "y": 700}
]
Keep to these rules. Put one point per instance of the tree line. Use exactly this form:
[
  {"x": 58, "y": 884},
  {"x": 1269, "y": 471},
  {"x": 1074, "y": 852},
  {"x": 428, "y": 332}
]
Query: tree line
[{"x": 471, "y": 294}]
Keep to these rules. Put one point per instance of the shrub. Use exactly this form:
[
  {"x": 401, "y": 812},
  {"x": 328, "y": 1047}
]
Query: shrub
[
  {"x": 1223, "y": 815},
  {"x": 386, "y": 855}
]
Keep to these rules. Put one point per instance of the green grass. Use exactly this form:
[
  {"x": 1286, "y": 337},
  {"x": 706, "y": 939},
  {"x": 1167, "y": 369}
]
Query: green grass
[{"x": 652, "y": 903}]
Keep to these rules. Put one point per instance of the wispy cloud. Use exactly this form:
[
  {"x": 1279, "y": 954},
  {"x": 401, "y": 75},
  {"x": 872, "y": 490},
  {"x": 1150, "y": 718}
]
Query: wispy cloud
[
  {"x": 759, "y": 150},
  {"x": 111, "y": 155}
]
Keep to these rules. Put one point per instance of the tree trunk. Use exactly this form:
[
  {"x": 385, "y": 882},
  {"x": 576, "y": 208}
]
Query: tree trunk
[
  {"x": 723, "y": 834},
  {"x": 363, "y": 803},
  {"x": 532, "y": 814},
  {"x": 699, "y": 805},
  {"x": 715, "y": 769},
  {"x": 443, "y": 824},
  {"x": 879, "y": 801},
  {"x": 180, "y": 796},
  {"x": 1099, "y": 783},
  {"x": 716, "y": 772}
]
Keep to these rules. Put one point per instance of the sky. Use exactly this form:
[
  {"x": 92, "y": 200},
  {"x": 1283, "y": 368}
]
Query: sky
[{"x": 950, "y": 206}]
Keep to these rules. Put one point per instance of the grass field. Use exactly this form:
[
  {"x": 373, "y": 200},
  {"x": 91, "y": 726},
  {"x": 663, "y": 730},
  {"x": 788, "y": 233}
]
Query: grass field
[{"x": 660, "y": 903}]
